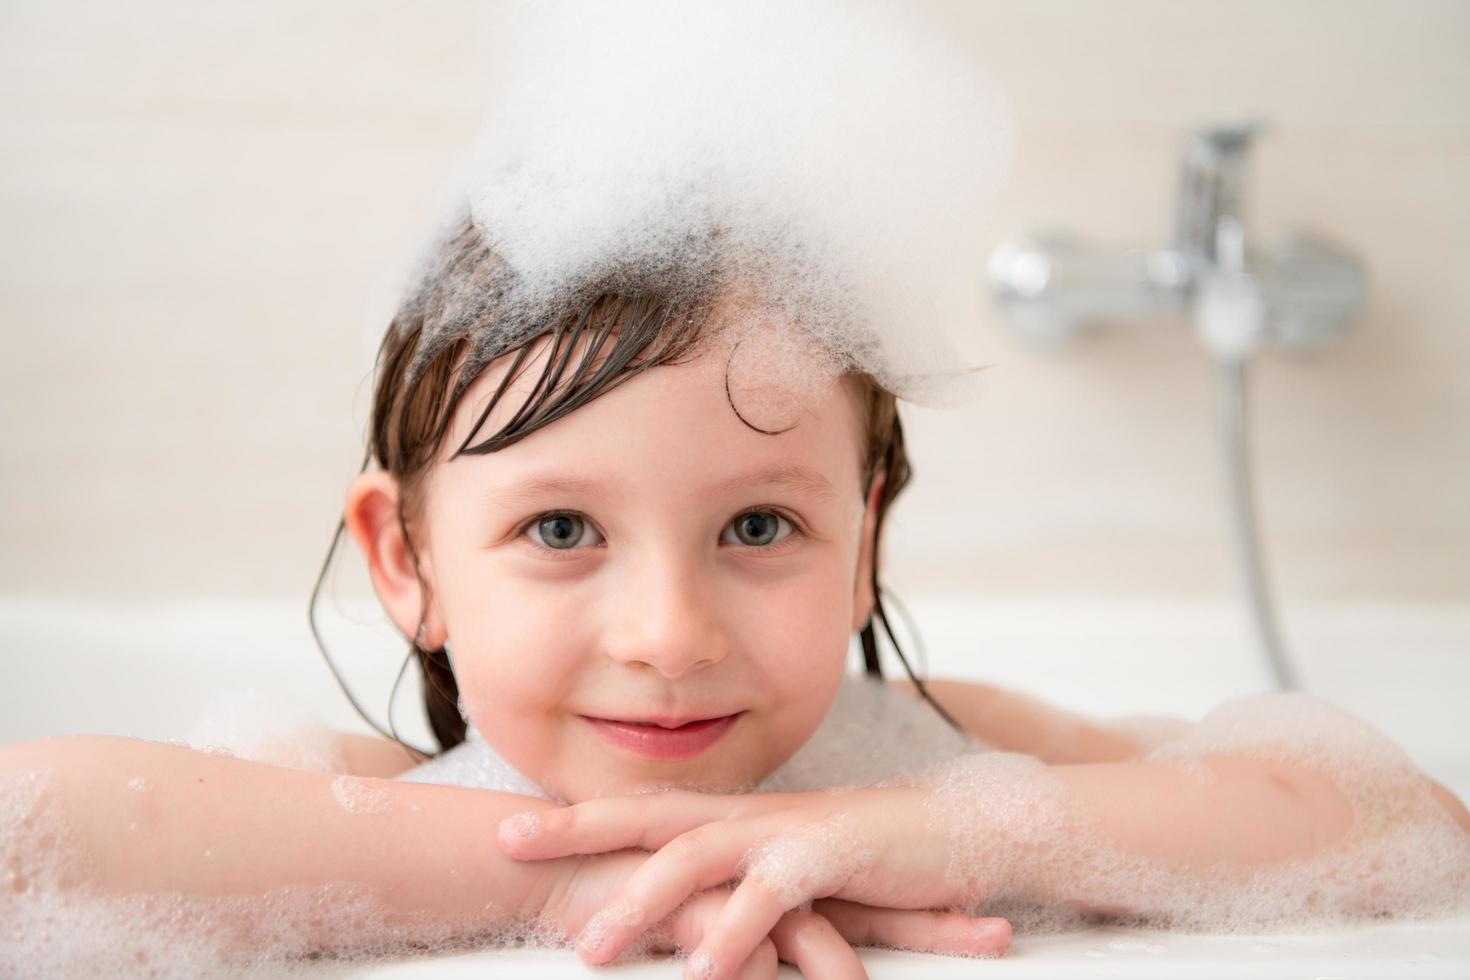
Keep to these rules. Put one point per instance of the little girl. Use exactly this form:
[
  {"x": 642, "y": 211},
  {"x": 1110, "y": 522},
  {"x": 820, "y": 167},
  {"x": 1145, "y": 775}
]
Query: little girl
[{"x": 631, "y": 542}]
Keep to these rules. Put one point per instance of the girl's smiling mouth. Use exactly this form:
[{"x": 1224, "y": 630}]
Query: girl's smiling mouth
[{"x": 664, "y": 738}]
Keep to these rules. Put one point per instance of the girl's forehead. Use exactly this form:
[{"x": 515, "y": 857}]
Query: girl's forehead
[{"x": 749, "y": 393}]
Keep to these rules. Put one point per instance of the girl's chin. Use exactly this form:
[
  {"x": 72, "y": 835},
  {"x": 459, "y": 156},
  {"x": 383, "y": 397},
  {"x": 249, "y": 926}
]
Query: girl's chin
[
  {"x": 636, "y": 788},
  {"x": 617, "y": 781}
]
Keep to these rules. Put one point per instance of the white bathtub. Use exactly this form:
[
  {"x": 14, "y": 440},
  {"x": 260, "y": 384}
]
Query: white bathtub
[{"x": 127, "y": 668}]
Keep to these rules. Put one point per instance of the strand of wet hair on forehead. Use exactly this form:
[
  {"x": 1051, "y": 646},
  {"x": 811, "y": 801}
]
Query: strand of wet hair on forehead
[
  {"x": 644, "y": 314},
  {"x": 730, "y": 399},
  {"x": 505, "y": 383},
  {"x": 546, "y": 383},
  {"x": 555, "y": 367}
]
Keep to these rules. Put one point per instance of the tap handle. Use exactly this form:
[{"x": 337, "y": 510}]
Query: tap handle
[{"x": 1209, "y": 226}]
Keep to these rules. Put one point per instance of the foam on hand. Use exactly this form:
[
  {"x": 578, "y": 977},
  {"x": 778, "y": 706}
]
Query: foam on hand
[
  {"x": 815, "y": 860},
  {"x": 832, "y": 162}
]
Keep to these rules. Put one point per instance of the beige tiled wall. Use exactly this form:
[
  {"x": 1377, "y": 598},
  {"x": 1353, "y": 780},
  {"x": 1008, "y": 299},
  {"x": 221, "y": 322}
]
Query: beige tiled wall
[{"x": 200, "y": 203}]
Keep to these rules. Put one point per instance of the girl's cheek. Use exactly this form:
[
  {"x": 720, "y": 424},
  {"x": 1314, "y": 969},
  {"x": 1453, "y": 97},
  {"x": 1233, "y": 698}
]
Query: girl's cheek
[
  {"x": 809, "y": 640},
  {"x": 819, "y": 612},
  {"x": 524, "y": 658}
]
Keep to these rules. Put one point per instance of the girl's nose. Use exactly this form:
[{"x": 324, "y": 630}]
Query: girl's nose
[{"x": 665, "y": 620}]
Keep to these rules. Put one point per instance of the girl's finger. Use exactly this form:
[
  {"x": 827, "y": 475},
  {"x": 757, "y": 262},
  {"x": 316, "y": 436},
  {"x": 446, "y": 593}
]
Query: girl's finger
[
  {"x": 925, "y": 931},
  {"x": 594, "y": 826},
  {"x": 747, "y": 918},
  {"x": 686, "y": 929},
  {"x": 762, "y": 964},
  {"x": 700, "y": 859},
  {"x": 815, "y": 947}
]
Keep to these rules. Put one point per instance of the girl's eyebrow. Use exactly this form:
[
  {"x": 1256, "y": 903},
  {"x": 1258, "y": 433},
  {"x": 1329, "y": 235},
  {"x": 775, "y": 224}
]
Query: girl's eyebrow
[
  {"x": 794, "y": 477},
  {"x": 791, "y": 476}
]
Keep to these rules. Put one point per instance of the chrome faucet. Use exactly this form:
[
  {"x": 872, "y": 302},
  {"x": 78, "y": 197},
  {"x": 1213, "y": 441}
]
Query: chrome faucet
[
  {"x": 1302, "y": 290},
  {"x": 1299, "y": 293}
]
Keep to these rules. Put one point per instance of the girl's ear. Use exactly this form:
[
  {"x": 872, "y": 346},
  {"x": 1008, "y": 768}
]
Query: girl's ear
[
  {"x": 371, "y": 515},
  {"x": 863, "y": 599}
]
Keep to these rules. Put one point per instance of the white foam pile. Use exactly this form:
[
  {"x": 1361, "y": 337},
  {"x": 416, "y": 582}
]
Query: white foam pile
[{"x": 831, "y": 161}]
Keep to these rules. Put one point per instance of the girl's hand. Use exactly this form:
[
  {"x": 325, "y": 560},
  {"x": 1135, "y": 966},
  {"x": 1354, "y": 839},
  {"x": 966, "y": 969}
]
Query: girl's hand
[
  {"x": 817, "y": 941},
  {"x": 873, "y": 846}
]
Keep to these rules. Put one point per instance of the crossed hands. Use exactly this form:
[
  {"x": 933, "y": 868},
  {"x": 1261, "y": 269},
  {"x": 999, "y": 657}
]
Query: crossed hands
[{"x": 742, "y": 881}]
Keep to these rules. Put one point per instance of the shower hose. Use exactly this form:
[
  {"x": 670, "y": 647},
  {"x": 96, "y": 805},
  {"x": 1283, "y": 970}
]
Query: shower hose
[{"x": 1231, "y": 385}]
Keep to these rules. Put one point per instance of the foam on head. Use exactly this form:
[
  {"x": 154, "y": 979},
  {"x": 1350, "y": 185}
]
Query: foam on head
[{"x": 834, "y": 161}]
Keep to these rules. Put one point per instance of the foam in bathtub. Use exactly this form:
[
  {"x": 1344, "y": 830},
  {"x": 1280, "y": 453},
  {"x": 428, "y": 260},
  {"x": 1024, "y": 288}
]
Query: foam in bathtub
[{"x": 273, "y": 729}]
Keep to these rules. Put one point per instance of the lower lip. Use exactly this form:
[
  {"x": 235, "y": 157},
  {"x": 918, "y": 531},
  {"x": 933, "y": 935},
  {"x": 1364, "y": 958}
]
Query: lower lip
[{"x": 653, "y": 742}]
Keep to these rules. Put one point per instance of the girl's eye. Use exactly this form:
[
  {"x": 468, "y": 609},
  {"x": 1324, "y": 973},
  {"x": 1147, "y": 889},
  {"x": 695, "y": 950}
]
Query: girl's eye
[
  {"x": 559, "y": 532},
  {"x": 758, "y": 528},
  {"x": 565, "y": 531}
]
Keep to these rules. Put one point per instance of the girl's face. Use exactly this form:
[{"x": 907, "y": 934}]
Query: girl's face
[{"x": 649, "y": 557}]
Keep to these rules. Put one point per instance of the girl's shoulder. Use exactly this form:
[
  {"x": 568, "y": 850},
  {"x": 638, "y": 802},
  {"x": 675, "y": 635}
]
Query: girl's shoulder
[{"x": 873, "y": 730}]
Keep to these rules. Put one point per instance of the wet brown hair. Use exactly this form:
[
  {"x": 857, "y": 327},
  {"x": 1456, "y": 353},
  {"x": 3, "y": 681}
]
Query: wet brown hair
[{"x": 437, "y": 345}]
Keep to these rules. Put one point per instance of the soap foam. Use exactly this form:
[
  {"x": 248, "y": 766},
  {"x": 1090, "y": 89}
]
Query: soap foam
[
  {"x": 815, "y": 860},
  {"x": 833, "y": 163},
  {"x": 357, "y": 795},
  {"x": 843, "y": 752},
  {"x": 620, "y": 913},
  {"x": 272, "y": 729}
]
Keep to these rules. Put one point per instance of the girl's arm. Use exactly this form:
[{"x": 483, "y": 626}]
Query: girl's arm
[
  {"x": 1251, "y": 810},
  {"x": 160, "y": 818},
  {"x": 1015, "y": 722}
]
